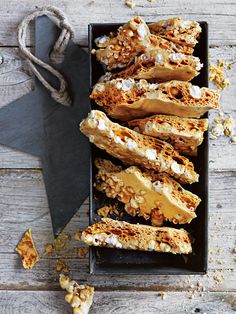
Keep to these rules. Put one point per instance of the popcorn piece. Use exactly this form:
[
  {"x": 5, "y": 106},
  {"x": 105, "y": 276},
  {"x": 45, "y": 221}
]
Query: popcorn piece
[
  {"x": 27, "y": 250},
  {"x": 120, "y": 234},
  {"x": 80, "y": 297},
  {"x": 149, "y": 153},
  {"x": 222, "y": 125},
  {"x": 147, "y": 194},
  {"x": 228, "y": 126},
  {"x": 217, "y": 75},
  {"x": 132, "y": 39}
]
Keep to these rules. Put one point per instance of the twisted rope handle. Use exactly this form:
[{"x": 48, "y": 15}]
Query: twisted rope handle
[{"x": 61, "y": 95}]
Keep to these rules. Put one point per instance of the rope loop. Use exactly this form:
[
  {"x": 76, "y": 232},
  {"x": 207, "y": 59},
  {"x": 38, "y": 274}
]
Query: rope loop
[{"x": 61, "y": 95}]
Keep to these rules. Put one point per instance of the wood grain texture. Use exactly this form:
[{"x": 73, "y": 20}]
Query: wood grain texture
[
  {"x": 119, "y": 302},
  {"x": 23, "y": 201},
  {"x": 15, "y": 81},
  {"x": 219, "y": 14},
  {"x": 23, "y": 204}
]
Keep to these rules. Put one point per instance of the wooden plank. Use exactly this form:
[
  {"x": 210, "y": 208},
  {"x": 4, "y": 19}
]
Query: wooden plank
[
  {"x": 119, "y": 302},
  {"x": 23, "y": 204},
  {"x": 15, "y": 82},
  {"x": 220, "y": 16}
]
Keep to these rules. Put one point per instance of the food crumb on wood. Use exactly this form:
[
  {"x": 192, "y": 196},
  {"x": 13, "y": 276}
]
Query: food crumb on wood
[
  {"x": 228, "y": 126},
  {"x": 192, "y": 294},
  {"x": 218, "y": 278},
  {"x": 211, "y": 260},
  {"x": 61, "y": 266},
  {"x": 162, "y": 295},
  {"x": 78, "y": 235},
  {"x": 223, "y": 124},
  {"x": 49, "y": 249},
  {"x": 82, "y": 252},
  {"x": 217, "y": 75},
  {"x": 233, "y": 138},
  {"x": 62, "y": 242},
  {"x": 131, "y": 4}
]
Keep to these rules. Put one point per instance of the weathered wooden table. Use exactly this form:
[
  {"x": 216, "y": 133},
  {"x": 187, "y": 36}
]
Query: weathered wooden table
[{"x": 23, "y": 201}]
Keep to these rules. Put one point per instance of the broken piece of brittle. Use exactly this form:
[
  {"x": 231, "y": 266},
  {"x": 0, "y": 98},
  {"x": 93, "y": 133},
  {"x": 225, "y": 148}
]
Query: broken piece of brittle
[
  {"x": 177, "y": 30},
  {"x": 136, "y": 149},
  {"x": 122, "y": 235},
  {"x": 160, "y": 65},
  {"x": 184, "y": 134},
  {"x": 27, "y": 250},
  {"x": 80, "y": 297},
  {"x": 132, "y": 39},
  {"x": 146, "y": 194}
]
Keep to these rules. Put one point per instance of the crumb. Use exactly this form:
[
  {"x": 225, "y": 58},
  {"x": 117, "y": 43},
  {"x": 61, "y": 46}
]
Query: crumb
[
  {"x": 62, "y": 241},
  {"x": 211, "y": 260},
  {"x": 233, "y": 138},
  {"x": 185, "y": 258},
  {"x": 59, "y": 244},
  {"x": 49, "y": 249},
  {"x": 217, "y": 128},
  {"x": 109, "y": 210},
  {"x": 192, "y": 295},
  {"x": 217, "y": 75},
  {"x": 78, "y": 235},
  {"x": 162, "y": 295},
  {"x": 130, "y": 4},
  {"x": 61, "y": 266},
  {"x": 104, "y": 211},
  {"x": 218, "y": 278},
  {"x": 223, "y": 124},
  {"x": 82, "y": 252},
  {"x": 228, "y": 126},
  {"x": 27, "y": 250}
]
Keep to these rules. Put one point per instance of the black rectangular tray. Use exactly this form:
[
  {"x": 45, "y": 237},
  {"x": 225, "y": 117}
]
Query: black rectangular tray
[{"x": 114, "y": 261}]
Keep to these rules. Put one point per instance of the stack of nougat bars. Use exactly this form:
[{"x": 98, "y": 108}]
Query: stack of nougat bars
[{"x": 150, "y": 120}]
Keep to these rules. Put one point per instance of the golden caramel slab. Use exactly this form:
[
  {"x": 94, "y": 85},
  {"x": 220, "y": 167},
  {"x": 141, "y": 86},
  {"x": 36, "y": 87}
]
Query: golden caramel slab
[
  {"x": 27, "y": 250},
  {"x": 122, "y": 235}
]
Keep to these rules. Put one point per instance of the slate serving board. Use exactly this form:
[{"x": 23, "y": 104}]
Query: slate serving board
[
  {"x": 114, "y": 261},
  {"x": 38, "y": 125}
]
